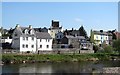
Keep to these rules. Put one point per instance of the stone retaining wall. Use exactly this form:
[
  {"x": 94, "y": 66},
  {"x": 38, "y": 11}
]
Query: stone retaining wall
[{"x": 111, "y": 70}]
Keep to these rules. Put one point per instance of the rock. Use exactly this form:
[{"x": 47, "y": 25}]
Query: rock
[
  {"x": 75, "y": 60},
  {"x": 24, "y": 62},
  {"x": 12, "y": 62}
]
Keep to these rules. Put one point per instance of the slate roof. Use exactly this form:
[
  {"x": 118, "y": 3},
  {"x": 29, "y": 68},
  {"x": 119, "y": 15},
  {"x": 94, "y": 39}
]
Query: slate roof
[
  {"x": 43, "y": 35},
  {"x": 55, "y": 28},
  {"x": 102, "y": 33},
  {"x": 20, "y": 31},
  {"x": 75, "y": 37}
]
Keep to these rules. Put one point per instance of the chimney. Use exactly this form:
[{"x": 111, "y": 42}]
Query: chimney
[
  {"x": 101, "y": 31},
  {"x": 17, "y": 25},
  {"x": 30, "y": 26}
]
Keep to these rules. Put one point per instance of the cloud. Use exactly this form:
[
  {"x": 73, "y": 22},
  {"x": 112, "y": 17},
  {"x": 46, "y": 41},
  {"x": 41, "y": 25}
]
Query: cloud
[{"x": 78, "y": 20}]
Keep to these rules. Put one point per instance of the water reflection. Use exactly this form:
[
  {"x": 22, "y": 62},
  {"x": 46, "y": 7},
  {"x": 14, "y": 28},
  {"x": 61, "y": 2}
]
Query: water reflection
[{"x": 66, "y": 67}]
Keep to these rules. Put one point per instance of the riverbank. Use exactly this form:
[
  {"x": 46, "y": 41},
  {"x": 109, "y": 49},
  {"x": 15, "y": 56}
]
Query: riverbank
[{"x": 33, "y": 58}]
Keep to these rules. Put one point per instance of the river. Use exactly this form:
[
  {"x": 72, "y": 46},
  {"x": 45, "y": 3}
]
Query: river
[{"x": 59, "y": 67}]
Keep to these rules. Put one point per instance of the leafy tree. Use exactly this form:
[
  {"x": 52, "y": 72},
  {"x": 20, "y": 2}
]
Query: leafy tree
[
  {"x": 116, "y": 45},
  {"x": 113, "y": 34},
  {"x": 83, "y": 32}
]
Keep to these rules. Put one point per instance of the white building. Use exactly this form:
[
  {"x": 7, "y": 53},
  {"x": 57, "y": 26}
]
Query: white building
[
  {"x": 24, "y": 39},
  {"x": 0, "y": 31},
  {"x": 6, "y": 40},
  {"x": 0, "y": 34},
  {"x": 44, "y": 41}
]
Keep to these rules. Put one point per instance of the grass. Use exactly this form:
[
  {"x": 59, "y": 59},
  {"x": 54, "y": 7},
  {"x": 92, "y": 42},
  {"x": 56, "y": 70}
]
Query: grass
[{"x": 55, "y": 57}]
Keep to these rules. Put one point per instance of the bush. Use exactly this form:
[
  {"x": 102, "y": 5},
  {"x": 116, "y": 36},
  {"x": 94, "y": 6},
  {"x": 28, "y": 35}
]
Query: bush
[
  {"x": 108, "y": 49},
  {"x": 116, "y": 45},
  {"x": 95, "y": 48}
]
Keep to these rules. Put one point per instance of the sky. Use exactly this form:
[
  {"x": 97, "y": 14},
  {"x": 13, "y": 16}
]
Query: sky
[{"x": 92, "y": 15}]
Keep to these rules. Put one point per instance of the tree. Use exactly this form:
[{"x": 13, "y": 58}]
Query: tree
[
  {"x": 116, "y": 45},
  {"x": 83, "y": 32},
  {"x": 113, "y": 34}
]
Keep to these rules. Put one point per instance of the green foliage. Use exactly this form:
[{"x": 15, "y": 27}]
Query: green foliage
[
  {"x": 116, "y": 45},
  {"x": 108, "y": 49},
  {"x": 83, "y": 32},
  {"x": 55, "y": 57},
  {"x": 95, "y": 48},
  {"x": 7, "y": 58}
]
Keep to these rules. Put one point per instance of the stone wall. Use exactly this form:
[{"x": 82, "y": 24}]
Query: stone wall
[{"x": 111, "y": 70}]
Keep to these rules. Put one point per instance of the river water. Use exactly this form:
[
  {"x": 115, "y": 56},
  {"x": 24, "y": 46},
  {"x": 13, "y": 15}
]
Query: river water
[{"x": 59, "y": 67}]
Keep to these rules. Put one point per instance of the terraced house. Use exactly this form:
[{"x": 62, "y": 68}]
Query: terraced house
[
  {"x": 100, "y": 37},
  {"x": 27, "y": 39}
]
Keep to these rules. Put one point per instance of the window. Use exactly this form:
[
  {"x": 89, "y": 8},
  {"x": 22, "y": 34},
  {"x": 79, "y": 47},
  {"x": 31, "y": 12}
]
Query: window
[
  {"x": 33, "y": 38},
  {"x": 31, "y": 32},
  {"x": 48, "y": 40},
  {"x": 23, "y": 38},
  {"x": 32, "y": 46},
  {"x": 47, "y": 46},
  {"x": 106, "y": 38},
  {"x": 40, "y": 46},
  {"x": 60, "y": 37},
  {"x": 26, "y": 46},
  {"x": 15, "y": 34},
  {"x": 26, "y": 31},
  {"x": 96, "y": 37},
  {"x": 26, "y": 38},
  {"x": 23, "y": 46},
  {"x": 40, "y": 40}
]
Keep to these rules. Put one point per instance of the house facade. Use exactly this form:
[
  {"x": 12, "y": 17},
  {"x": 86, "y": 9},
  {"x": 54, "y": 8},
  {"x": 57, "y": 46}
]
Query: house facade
[
  {"x": 100, "y": 37},
  {"x": 6, "y": 40},
  {"x": 74, "y": 41},
  {"x": 24, "y": 39},
  {"x": 58, "y": 37},
  {"x": 44, "y": 41}
]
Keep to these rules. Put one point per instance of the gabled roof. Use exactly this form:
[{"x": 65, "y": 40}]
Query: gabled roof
[
  {"x": 21, "y": 31},
  {"x": 43, "y": 35}
]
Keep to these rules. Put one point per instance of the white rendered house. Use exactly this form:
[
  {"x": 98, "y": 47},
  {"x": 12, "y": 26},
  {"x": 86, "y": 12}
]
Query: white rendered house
[
  {"x": 24, "y": 39},
  {"x": 44, "y": 41}
]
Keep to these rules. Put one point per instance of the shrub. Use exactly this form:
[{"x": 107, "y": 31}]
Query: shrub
[
  {"x": 95, "y": 48},
  {"x": 108, "y": 49},
  {"x": 116, "y": 45}
]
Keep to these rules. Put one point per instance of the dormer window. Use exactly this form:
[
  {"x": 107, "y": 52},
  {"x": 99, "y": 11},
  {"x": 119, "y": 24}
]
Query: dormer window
[
  {"x": 26, "y": 31},
  {"x": 15, "y": 34},
  {"x": 31, "y": 31}
]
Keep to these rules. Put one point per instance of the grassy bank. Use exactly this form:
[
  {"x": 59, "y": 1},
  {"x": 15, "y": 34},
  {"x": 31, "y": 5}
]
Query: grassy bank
[{"x": 17, "y": 58}]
